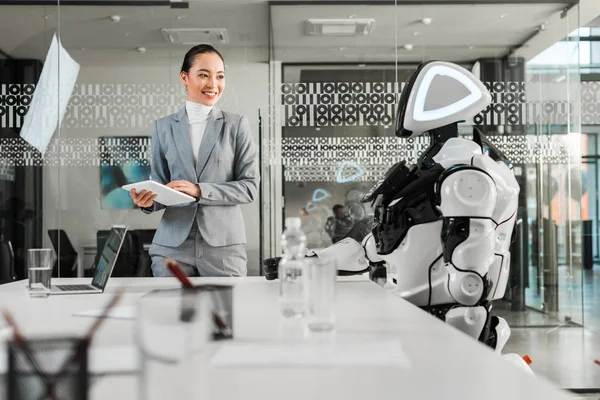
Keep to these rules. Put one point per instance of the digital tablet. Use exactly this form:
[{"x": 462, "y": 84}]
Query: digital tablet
[{"x": 166, "y": 195}]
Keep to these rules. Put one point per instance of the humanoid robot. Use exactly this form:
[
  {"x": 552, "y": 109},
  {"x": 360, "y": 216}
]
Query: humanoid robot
[{"x": 442, "y": 227}]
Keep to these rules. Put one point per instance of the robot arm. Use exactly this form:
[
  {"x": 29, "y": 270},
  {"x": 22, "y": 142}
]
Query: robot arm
[
  {"x": 348, "y": 255},
  {"x": 467, "y": 197}
]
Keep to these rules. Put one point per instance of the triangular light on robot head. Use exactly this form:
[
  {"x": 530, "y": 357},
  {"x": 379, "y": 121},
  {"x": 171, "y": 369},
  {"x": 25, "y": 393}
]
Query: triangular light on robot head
[{"x": 444, "y": 91}]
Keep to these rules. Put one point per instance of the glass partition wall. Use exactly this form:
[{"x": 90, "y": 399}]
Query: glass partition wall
[
  {"x": 119, "y": 71},
  {"x": 336, "y": 72},
  {"x": 22, "y": 202}
]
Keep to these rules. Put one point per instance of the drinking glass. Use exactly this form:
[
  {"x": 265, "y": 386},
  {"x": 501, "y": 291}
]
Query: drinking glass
[
  {"x": 172, "y": 331},
  {"x": 39, "y": 267},
  {"x": 320, "y": 281}
]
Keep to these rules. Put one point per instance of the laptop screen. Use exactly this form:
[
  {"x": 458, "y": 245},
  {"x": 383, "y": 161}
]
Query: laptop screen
[{"x": 108, "y": 257}]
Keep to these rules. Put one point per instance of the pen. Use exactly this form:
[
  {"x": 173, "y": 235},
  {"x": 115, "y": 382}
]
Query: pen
[{"x": 178, "y": 273}]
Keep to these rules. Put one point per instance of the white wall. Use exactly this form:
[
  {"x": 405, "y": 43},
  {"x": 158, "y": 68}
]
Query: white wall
[{"x": 72, "y": 193}]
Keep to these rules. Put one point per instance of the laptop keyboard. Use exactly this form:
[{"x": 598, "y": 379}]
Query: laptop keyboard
[{"x": 75, "y": 287}]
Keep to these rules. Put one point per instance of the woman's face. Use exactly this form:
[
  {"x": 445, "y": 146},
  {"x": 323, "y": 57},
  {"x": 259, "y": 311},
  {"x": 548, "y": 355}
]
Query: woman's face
[{"x": 206, "y": 79}]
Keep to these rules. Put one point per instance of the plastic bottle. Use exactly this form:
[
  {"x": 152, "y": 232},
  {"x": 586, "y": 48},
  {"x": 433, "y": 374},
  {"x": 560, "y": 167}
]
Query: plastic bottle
[{"x": 291, "y": 266}]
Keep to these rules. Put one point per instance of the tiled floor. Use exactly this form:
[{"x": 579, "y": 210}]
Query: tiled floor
[
  {"x": 561, "y": 351},
  {"x": 563, "y": 355}
]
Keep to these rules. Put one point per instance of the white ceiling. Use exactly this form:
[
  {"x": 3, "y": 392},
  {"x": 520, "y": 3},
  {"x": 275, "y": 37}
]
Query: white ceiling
[
  {"x": 91, "y": 38},
  {"x": 595, "y": 22},
  {"x": 457, "y": 33}
]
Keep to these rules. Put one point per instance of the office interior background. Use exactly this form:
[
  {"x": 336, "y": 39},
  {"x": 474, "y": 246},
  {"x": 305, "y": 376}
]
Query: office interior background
[{"x": 321, "y": 100}]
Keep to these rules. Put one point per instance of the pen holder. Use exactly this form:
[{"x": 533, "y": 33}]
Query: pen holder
[
  {"x": 221, "y": 298},
  {"x": 53, "y": 374}
]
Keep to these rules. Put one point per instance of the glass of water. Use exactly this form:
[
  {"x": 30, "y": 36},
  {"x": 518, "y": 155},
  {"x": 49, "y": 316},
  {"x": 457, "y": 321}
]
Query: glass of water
[
  {"x": 172, "y": 332},
  {"x": 39, "y": 266},
  {"x": 320, "y": 280}
]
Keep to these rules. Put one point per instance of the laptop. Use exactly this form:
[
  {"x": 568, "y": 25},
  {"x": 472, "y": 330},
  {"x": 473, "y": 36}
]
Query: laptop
[{"x": 106, "y": 263}]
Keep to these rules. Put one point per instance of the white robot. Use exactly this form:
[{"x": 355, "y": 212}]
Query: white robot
[{"x": 442, "y": 227}]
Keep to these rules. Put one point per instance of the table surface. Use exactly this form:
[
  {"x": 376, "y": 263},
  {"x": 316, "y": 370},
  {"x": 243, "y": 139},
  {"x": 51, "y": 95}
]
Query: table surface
[{"x": 442, "y": 362}]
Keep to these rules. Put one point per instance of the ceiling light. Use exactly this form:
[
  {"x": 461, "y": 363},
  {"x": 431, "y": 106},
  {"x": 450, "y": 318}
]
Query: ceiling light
[
  {"x": 426, "y": 21},
  {"x": 180, "y": 17},
  {"x": 408, "y": 47},
  {"x": 127, "y": 33},
  {"x": 115, "y": 18},
  {"x": 560, "y": 79},
  {"x": 141, "y": 49},
  {"x": 342, "y": 48},
  {"x": 362, "y": 65},
  {"x": 194, "y": 36},
  {"x": 416, "y": 33},
  {"x": 471, "y": 47},
  {"x": 48, "y": 17},
  {"x": 339, "y": 27},
  {"x": 352, "y": 16},
  {"x": 503, "y": 15}
]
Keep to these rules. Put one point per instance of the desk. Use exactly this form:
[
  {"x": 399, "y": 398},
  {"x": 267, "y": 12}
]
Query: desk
[{"x": 446, "y": 364}]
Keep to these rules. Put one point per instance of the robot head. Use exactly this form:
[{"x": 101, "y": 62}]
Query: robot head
[{"x": 438, "y": 94}]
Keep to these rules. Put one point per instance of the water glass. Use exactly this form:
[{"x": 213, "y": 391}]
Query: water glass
[
  {"x": 172, "y": 332},
  {"x": 320, "y": 281},
  {"x": 39, "y": 266}
]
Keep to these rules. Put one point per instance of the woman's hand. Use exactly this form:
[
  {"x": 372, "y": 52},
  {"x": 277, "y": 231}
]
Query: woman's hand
[
  {"x": 186, "y": 187},
  {"x": 144, "y": 199}
]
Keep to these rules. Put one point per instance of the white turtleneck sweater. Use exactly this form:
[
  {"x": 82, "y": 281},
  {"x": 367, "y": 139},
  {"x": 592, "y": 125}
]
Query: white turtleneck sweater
[{"x": 197, "y": 116}]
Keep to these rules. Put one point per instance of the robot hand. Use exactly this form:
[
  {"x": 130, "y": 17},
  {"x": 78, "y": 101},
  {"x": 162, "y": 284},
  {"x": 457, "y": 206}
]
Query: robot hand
[{"x": 348, "y": 255}]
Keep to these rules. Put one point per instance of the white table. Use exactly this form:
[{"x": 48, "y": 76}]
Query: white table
[{"x": 445, "y": 364}]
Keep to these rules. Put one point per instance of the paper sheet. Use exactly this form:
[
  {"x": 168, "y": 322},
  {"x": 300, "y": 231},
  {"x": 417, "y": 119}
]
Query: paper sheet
[
  {"x": 117, "y": 359},
  {"x": 125, "y": 312},
  {"x": 51, "y": 97},
  {"x": 269, "y": 355}
]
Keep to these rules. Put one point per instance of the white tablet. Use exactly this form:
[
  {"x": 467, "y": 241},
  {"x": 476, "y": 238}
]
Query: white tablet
[{"x": 166, "y": 195}]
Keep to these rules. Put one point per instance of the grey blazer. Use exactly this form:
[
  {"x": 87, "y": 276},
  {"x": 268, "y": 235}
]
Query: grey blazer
[{"x": 226, "y": 171}]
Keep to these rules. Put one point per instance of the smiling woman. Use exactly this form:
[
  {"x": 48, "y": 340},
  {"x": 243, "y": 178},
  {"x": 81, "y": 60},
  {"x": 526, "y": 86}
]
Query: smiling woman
[
  {"x": 189, "y": 153},
  {"x": 203, "y": 74}
]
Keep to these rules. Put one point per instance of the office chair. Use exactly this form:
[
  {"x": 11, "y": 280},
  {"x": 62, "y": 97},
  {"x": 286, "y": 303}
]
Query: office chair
[
  {"x": 66, "y": 256},
  {"x": 145, "y": 237}
]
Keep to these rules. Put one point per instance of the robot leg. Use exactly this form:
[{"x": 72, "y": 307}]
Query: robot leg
[{"x": 473, "y": 321}]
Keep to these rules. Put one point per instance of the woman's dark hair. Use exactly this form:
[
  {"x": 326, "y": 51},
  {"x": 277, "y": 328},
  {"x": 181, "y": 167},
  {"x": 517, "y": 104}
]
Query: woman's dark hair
[{"x": 188, "y": 60}]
